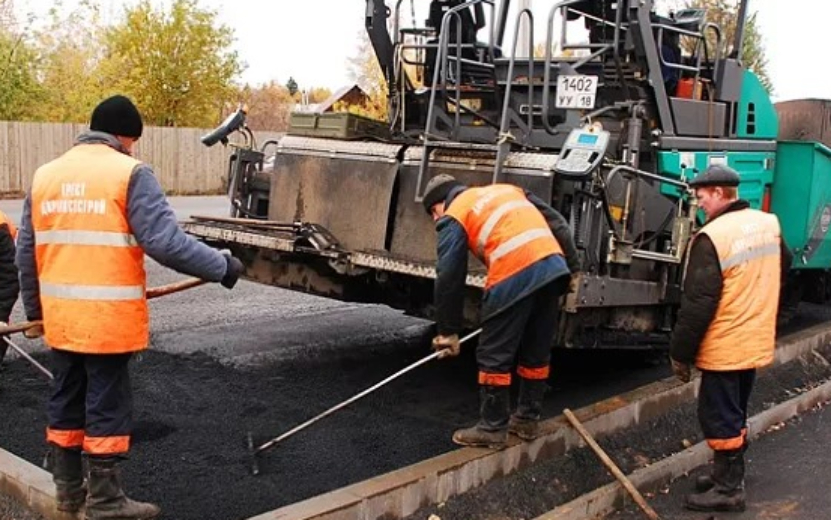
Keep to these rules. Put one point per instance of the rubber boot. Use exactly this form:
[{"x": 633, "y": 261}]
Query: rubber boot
[
  {"x": 727, "y": 493},
  {"x": 705, "y": 482},
  {"x": 492, "y": 429},
  {"x": 525, "y": 423},
  {"x": 68, "y": 474},
  {"x": 106, "y": 499}
]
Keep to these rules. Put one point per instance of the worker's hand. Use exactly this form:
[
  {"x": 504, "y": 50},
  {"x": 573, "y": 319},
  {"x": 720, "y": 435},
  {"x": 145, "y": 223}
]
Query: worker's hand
[
  {"x": 448, "y": 346},
  {"x": 234, "y": 270},
  {"x": 682, "y": 371},
  {"x": 33, "y": 332}
]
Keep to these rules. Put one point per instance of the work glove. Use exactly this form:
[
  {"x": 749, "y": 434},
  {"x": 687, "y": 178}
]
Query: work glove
[
  {"x": 683, "y": 371},
  {"x": 234, "y": 270},
  {"x": 33, "y": 332},
  {"x": 574, "y": 283},
  {"x": 448, "y": 346}
]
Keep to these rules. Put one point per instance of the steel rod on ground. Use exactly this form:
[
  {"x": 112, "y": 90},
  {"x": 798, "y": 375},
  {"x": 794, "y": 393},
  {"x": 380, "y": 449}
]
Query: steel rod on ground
[
  {"x": 352, "y": 399},
  {"x": 609, "y": 463}
]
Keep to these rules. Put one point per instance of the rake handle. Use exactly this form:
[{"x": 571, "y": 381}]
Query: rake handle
[{"x": 354, "y": 398}]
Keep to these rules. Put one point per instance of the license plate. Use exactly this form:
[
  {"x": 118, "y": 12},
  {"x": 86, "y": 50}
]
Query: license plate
[{"x": 576, "y": 92}]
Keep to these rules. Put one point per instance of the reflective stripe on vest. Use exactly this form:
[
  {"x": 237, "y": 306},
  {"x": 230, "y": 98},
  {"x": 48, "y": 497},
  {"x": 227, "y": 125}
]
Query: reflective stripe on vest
[
  {"x": 495, "y": 217},
  {"x": 505, "y": 231},
  {"x": 92, "y": 292},
  {"x": 742, "y": 334},
  {"x": 90, "y": 267},
  {"x": 85, "y": 238}
]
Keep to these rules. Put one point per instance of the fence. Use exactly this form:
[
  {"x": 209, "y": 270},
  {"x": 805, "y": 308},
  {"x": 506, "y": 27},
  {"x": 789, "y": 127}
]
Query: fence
[{"x": 183, "y": 165}]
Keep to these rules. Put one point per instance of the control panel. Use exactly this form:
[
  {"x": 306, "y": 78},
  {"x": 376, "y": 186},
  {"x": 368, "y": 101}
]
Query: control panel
[{"x": 582, "y": 152}]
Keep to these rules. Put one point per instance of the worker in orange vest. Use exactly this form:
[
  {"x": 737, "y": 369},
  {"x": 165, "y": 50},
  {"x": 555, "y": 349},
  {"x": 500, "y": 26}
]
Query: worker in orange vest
[
  {"x": 88, "y": 220},
  {"x": 530, "y": 254},
  {"x": 726, "y": 325},
  {"x": 9, "y": 285}
]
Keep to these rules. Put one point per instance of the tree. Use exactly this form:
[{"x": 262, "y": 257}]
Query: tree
[
  {"x": 7, "y": 18},
  {"x": 318, "y": 94},
  {"x": 724, "y": 13},
  {"x": 176, "y": 64},
  {"x": 19, "y": 89},
  {"x": 366, "y": 72},
  {"x": 269, "y": 106},
  {"x": 70, "y": 60},
  {"x": 292, "y": 87}
]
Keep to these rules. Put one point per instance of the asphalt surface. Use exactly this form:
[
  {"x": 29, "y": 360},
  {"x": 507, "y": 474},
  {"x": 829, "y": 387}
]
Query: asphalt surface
[
  {"x": 262, "y": 359},
  {"x": 788, "y": 470}
]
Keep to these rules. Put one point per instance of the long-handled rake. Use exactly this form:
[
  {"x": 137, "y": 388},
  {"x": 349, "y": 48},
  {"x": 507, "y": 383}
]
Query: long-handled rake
[{"x": 256, "y": 451}]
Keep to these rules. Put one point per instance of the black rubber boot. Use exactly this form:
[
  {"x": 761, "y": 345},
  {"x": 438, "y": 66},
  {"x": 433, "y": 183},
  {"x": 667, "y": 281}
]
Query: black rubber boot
[
  {"x": 68, "y": 474},
  {"x": 727, "y": 493},
  {"x": 106, "y": 499},
  {"x": 705, "y": 482},
  {"x": 492, "y": 429},
  {"x": 525, "y": 423}
]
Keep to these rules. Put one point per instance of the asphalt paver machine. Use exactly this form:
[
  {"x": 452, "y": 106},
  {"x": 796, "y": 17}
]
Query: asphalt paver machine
[{"x": 608, "y": 128}]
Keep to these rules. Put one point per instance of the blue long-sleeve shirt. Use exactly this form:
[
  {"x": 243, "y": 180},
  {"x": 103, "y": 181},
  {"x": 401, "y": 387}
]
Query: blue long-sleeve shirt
[{"x": 152, "y": 222}]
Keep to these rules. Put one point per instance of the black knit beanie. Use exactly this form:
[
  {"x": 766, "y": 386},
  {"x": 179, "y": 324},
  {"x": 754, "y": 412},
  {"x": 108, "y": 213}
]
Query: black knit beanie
[
  {"x": 437, "y": 189},
  {"x": 117, "y": 115}
]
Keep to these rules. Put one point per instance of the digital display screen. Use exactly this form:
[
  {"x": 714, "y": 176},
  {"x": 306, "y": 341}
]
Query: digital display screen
[{"x": 587, "y": 139}]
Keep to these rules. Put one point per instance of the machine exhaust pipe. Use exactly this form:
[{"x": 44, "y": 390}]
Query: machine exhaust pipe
[{"x": 738, "y": 39}]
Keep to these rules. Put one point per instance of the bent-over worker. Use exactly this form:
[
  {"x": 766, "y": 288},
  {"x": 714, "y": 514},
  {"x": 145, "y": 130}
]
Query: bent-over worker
[{"x": 530, "y": 254}]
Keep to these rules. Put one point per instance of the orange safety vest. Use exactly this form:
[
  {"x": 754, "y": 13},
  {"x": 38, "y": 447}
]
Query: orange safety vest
[
  {"x": 742, "y": 334},
  {"x": 90, "y": 268},
  {"x": 4, "y": 219},
  {"x": 505, "y": 231}
]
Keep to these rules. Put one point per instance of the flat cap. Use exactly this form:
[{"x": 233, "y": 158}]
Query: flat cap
[{"x": 716, "y": 175}]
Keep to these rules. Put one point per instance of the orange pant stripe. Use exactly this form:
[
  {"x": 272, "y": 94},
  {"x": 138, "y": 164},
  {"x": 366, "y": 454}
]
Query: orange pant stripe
[
  {"x": 534, "y": 373},
  {"x": 65, "y": 438},
  {"x": 107, "y": 445},
  {"x": 726, "y": 444},
  {"x": 488, "y": 379}
]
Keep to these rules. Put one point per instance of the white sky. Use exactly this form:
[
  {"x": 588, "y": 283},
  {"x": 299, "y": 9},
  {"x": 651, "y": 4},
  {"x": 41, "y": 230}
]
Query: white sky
[{"x": 311, "y": 40}]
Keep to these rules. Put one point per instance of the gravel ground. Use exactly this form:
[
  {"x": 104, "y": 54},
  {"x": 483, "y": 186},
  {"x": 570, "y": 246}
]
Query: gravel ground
[
  {"x": 530, "y": 493},
  {"x": 262, "y": 359},
  {"x": 192, "y": 413}
]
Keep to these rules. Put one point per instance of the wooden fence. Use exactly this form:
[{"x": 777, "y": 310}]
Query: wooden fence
[{"x": 183, "y": 165}]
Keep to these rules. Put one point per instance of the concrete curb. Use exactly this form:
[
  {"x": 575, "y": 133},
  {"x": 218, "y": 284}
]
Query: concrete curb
[
  {"x": 607, "y": 499},
  {"x": 30, "y": 485},
  {"x": 402, "y": 492}
]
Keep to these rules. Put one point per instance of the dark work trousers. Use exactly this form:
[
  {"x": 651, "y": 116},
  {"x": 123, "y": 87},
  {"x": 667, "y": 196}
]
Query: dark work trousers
[
  {"x": 91, "y": 393},
  {"x": 722, "y": 407},
  {"x": 523, "y": 333}
]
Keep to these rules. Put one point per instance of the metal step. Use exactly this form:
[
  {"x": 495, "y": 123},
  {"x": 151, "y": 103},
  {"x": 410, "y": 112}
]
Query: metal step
[{"x": 455, "y": 145}]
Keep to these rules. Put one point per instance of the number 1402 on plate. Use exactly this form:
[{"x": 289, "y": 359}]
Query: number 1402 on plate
[{"x": 576, "y": 92}]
